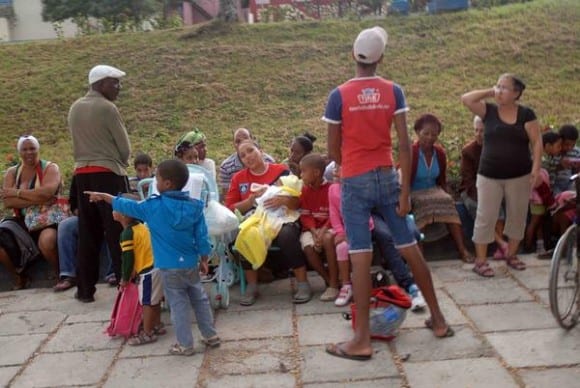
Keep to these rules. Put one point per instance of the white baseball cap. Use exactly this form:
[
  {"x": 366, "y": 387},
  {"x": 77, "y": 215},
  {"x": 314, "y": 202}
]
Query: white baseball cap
[
  {"x": 369, "y": 45},
  {"x": 100, "y": 72}
]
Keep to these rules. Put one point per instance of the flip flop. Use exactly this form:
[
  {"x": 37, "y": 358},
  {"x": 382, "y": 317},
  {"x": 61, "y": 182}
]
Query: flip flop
[
  {"x": 336, "y": 351},
  {"x": 448, "y": 333}
]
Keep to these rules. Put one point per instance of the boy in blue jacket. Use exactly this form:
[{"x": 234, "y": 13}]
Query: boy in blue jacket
[{"x": 179, "y": 237}]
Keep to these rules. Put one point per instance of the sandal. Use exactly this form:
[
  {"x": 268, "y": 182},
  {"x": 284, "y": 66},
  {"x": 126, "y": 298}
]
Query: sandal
[
  {"x": 178, "y": 350},
  {"x": 484, "y": 270},
  {"x": 64, "y": 284},
  {"x": 515, "y": 263},
  {"x": 160, "y": 329},
  {"x": 337, "y": 351},
  {"x": 212, "y": 342},
  {"x": 22, "y": 283},
  {"x": 142, "y": 338}
]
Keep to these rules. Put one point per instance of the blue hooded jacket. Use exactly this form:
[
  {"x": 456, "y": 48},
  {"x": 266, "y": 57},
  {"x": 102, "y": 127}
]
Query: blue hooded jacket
[{"x": 177, "y": 225}]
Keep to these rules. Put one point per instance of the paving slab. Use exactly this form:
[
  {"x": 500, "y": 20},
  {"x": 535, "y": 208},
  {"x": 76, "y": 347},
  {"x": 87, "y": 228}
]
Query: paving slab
[
  {"x": 511, "y": 316},
  {"x": 77, "y": 368},
  {"x": 281, "y": 301},
  {"x": 323, "y": 329},
  {"x": 472, "y": 373},
  {"x": 82, "y": 337},
  {"x": 535, "y": 278},
  {"x": 422, "y": 345},
  {"x": 100, "y": 315},
  {"x": 384, "y": 383},
  {"x": 549, "y": 347},
  {"x": 463, "y": 272},
  {"x": 254, "y": 324},
  {"x": 452, "y": 314},
  {"x": 532, "y": 260},
  {"x": 489, "y": 291},
  {"x": 555, "y": 377},
  {"x": 316, "y": 306},
  {"x": 167, "y": 372},
  {"x": 30, "y": 322},
  {"x": 252, "y": 381},
  {"x": 16, "y": 349},
  {"x": 6, "y": 374},
  {"x": 253, "y": 357},
  {"x": 319, "y": 366}
]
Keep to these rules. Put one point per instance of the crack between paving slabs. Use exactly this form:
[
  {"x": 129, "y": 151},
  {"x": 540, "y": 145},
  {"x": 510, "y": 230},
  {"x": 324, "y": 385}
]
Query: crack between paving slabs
[
  {"x": 513, "y": 372},
  {"x": 36, "y": 352}
]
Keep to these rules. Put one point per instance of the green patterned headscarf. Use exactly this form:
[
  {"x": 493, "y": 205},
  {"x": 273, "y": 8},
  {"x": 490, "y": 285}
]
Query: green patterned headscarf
[{"x": 190, "y": 139}]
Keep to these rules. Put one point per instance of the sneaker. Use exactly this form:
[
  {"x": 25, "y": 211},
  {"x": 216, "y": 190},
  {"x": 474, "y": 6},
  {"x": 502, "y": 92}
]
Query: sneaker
[
  {"x": 344, "y": 296},
  {"x": 417, "y": 300},
  {"x": 178, "y": 350},
  {"x": 303, "y": 295},
  {"x": 329, "y": 294}
]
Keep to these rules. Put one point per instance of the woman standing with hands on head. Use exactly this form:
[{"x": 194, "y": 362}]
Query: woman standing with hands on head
[{"x": 507, "y": 168}]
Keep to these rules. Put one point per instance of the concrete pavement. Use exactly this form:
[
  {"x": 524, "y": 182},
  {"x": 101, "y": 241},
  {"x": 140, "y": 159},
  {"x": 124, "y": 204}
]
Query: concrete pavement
[{"x": 505, "y": 337}]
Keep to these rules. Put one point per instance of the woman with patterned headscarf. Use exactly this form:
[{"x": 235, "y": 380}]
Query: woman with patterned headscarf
[{"x": 195, "y": 139}]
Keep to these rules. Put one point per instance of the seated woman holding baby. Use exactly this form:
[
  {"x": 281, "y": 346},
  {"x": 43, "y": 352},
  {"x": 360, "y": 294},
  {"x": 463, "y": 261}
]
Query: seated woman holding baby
[{"x": 246, "y": 188}]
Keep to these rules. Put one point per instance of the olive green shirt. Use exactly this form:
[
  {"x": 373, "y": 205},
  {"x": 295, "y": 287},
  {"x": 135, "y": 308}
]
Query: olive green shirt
[{"x": 98, "y": 133}]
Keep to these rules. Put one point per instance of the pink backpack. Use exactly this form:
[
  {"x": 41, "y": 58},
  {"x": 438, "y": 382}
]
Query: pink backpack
[{"x": 127, "y": 312}]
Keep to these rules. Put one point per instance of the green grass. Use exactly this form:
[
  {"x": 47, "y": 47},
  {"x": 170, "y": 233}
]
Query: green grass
[{"x": 275, "y": 78}]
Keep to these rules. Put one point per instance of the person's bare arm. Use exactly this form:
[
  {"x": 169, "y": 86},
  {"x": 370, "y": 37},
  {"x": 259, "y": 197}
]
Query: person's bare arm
[
  {"x": 405, "y": 163},
  {"x": 291, "y": 203},
  {"x": 95, "y": 196},
  {"x": 334, "y": 140},
  {"x": 533, "y": 130},
  {"x": 475, "y": 100},
  {"x": 20, "y": 198}
]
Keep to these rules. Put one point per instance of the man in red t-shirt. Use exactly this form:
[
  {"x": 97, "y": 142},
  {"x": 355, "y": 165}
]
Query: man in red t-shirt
[{"x": 360, "y": 114}]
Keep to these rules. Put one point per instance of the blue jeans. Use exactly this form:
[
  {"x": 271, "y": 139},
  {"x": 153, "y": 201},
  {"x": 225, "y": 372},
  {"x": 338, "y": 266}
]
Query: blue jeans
[
  {"x": 184, "y": 291},
  {"x": 390, "y": 254},
  {"x": 374, "y": 191},
  {"x": 68, "y": 241}
]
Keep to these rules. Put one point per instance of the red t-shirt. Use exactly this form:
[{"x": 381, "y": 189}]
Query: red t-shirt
[
  {"x": 365, "y": 108},
  {"x": 314, "y": 208},
  {"x": 241, "y": 181}
]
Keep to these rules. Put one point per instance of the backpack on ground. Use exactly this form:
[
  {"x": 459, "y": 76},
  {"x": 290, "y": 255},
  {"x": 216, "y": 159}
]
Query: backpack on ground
[
  {"x": 127, "y": 312},
  {"x": 388, "y": 309}
]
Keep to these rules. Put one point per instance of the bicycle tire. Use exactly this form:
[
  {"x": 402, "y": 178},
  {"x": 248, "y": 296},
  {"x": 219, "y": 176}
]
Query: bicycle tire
[{"x": 564, "y": 280}]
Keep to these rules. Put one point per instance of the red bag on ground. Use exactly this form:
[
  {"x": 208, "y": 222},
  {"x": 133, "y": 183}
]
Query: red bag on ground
[
  {"x": 388, "y": 309},
  {"x": 127, "y": 312}
]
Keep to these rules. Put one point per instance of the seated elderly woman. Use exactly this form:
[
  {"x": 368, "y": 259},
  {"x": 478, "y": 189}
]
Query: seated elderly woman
[
  {"x": 27, "y": 185},
  {"x": 195, "y": 139},
  {"x": 242, "y": 198},
  {"x": 430, "y": 201}
]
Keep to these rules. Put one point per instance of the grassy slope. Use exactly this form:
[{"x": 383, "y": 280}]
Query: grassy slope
[{"x": 275, "y": 78}]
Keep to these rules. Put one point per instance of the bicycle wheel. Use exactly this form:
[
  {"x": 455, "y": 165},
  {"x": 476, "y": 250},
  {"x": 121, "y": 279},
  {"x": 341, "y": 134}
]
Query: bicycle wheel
[{"x": 564, "y": 280}]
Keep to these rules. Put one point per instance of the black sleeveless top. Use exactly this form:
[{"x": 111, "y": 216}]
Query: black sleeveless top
[{"x": 506, "y": 147}]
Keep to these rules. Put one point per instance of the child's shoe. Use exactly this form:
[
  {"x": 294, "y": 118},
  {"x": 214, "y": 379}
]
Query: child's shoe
[
  {"x": 329, "y": 294},
  {"x": 304, "y": 293},
  {"x": 142, "y": 338},
  {"x": 178, "y": 350},
  {"x": 250, "y": 296},
  {"x": 344, "y": 296},
  {"x": 417, "y": 300}
]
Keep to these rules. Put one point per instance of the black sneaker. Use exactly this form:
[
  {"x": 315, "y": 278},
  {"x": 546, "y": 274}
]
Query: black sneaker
[{"x": 88, "y": 299}]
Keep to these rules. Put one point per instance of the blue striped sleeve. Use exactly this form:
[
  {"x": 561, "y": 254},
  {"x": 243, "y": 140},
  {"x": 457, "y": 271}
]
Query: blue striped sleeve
[
  {"x": 400, "y": 102},
  {"x": 333, "y": 112}
]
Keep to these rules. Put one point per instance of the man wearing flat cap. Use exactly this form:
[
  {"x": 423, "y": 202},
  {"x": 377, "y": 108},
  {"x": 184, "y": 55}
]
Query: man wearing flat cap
[
  {"x": 101, "y": 152},
  {"x": 360, "y": 114}
]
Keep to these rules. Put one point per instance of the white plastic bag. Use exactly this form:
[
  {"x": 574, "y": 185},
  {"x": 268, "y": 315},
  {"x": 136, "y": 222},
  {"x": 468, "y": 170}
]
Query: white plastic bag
[{"x": 219, "y": 219}]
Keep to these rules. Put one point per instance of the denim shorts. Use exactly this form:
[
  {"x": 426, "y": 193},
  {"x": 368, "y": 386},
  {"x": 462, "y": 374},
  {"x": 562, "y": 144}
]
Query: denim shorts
[{"x": 374, "y": 191}]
